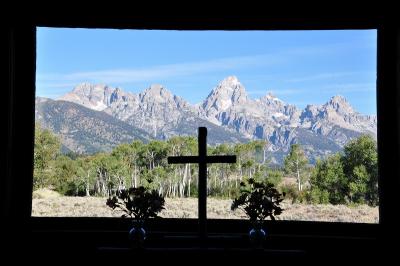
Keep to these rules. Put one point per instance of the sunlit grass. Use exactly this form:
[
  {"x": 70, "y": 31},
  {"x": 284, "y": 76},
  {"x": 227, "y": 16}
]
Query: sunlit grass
[{"x": 217, "y": 208}]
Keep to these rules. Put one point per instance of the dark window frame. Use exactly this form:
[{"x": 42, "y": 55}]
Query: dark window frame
[{"x": 19, "y": 115}]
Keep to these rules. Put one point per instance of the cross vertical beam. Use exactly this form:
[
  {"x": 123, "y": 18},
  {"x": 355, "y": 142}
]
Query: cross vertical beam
[
  {"x": 202, "y": 187},
  {"x": 202, "y": 159}
]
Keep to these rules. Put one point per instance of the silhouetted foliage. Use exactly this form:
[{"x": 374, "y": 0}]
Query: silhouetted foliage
[
  {"x": 259, "y": 200},
  {"x": 138, "y": 203}
]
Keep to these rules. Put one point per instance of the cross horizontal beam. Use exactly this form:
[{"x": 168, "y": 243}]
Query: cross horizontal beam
[
  {"x": 202, "y": 160},
  {"x": 196, "y": 159}
]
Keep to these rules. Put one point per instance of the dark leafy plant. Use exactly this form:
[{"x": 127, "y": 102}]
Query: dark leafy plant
[
  {"x": 138, "y": 203},
  {"x": 258, "y": 200}
]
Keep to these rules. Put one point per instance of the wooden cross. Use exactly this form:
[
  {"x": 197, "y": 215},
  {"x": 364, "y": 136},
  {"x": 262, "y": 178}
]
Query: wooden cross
[{"x": 202, "y": 160}]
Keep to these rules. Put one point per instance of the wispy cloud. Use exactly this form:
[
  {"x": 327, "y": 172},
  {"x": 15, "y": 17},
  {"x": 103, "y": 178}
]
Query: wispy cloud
[
  {"x": 257, "y": 92},
  {"x": 349, "y": 87},
  {"x": 322, "y": 76},
  {"x": 158, "y": 72},
  {"x": 185, "y": 69},
  {"x": 59, "y": 85},
  {"x": 276, "y": 92},
  {"x": 331, "y": 89},
  {"x": 285, "y": 92},
  {"x": 53, "y": 94}
]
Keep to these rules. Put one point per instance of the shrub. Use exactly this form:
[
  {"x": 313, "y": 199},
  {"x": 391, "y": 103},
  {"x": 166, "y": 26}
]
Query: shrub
[
  {"x": 290, "y": 192},
  {"x": 258, "y": 200},
  {"x": 318, "y": 196},
  {"x": 137, "y": 203},
  {"x": 275, "y": 177}
]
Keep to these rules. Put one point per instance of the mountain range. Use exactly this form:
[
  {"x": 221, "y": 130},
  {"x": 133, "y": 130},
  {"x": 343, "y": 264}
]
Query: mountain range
[{"x": 94, "y": 118}]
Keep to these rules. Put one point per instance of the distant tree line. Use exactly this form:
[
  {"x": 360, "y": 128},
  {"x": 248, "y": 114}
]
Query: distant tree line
[{"x": 343, "y": 178}]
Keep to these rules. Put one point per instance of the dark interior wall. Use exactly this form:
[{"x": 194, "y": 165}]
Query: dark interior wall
[
  {"x": 18, "y": 58},
  {"x": 19, "y": 118},
  {"x": 388, "y": 97}
]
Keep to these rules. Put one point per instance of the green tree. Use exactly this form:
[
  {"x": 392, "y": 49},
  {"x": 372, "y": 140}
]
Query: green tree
[
  {"x": 360, "y": 165},
  {"x": 242, "y": 152},
  {"x": 86, "y": 173},
  {"x": 128, "y": 154},
  {"x": 156, "y": 179},
  {"x": 328, "y": 181},
  {"x": 295, "y": 164},
  {"x": 222, "y": 149},
  {"x": 274, "y": 176},
  {"x": 154, "y": 154},
  {"x": 110, "y": 174},
  {"x": 348, "y": 177},
  {"x": 46, "y": 148},
  {"x": 260, "y": 151},
  {"x": 65, "y": 176},
  {"x": 190, "y": 149}
]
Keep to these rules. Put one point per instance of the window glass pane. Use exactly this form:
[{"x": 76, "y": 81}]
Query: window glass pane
[{"x": 112, "y": 105}]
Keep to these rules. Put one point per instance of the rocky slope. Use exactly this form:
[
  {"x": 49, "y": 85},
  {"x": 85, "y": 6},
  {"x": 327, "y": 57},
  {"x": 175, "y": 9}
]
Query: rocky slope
[
  {"x": 155, "y": 110},
  {"x": 83, "y": 130},
  {"x": 231, "y": 116},
  {"x": 320, "y": 129}
]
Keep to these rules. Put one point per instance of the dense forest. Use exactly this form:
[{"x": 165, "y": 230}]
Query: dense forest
[{"x": 348, "y": 177}]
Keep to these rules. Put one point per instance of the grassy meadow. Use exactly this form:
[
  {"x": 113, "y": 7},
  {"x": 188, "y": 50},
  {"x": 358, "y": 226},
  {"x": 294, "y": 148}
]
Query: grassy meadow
[{"x": 49, "y": 203}]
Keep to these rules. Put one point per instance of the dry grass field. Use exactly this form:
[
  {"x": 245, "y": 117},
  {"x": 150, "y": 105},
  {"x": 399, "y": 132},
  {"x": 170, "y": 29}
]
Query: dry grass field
[{"x": 50, "y": 204}]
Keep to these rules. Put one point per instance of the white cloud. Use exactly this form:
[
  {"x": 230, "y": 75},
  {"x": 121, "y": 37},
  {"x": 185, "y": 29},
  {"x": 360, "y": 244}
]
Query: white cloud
[
  {"x": 283, "y": 92},
  {"x": 331, "y": 89},
  {"x": 159, "y": 72},
  {"x": 349, "y": 87},
  {"x": 51, "y": 83},
  {"x": 118, "y": 76},
  {"x": 321, "y": 76}
]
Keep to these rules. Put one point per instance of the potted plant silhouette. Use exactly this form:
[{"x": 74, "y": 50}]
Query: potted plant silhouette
[
  {"x": 259, "y": 201},
  {"x": 140, "y": 204}
]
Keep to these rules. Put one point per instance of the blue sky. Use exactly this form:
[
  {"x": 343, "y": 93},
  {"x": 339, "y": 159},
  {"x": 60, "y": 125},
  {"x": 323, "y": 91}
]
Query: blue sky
[{"x": 299, "y": 67}]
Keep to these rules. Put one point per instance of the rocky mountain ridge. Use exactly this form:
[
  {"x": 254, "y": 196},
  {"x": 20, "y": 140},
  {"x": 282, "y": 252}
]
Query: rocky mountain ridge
[{"x": 231, "y": 115}]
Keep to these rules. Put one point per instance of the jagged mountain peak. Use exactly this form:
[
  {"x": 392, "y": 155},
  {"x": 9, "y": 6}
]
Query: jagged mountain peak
[
  {"x": 271, "y": 98},
  {"x": 311, "y": 108},
  {"x": 88, "y": 89},
  {"x": 230, "y": 81},
  {"x": 270, "y": 95},
  {"x": 340, "y": 104},
  {"x": 162, "y": 114},
  {"x": 84, "y": 86},
  {"x": 227, "y": 93},
  {"x": 230, "y": 85},
  {"x": 157, "y": 89},
  {"x": 338, "y": 98},
  {"x": 157, "y": 93},
  {"x": 93, "y": 96}
]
